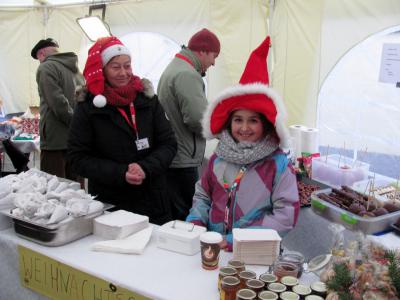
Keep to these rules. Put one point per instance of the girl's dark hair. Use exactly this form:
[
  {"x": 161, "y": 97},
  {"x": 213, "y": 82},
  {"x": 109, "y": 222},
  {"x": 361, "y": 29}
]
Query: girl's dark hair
[{"x": 268, "y": 128}]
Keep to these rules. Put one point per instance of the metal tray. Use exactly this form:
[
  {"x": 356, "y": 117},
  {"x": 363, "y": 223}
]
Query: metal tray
[
  {"x": 349, "y": 220},
  {"x": 56, "y": 234}
]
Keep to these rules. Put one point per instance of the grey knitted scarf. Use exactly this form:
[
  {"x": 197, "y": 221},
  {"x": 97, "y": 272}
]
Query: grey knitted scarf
[{"x": 244, "y": 152}]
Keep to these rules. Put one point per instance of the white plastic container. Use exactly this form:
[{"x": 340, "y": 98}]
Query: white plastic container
[
  {"x": 338, "y": 170},
  {"x": 181, "y": 237},
  {"x": 349, "y": 220}
]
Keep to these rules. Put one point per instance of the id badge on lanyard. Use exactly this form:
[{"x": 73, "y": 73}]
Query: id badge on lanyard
[{"x": 143, "y": 143}]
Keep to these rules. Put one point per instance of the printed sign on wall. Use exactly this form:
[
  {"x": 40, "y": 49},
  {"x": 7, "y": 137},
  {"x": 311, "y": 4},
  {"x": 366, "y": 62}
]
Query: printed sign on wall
[{"x": 390, "y": 64}]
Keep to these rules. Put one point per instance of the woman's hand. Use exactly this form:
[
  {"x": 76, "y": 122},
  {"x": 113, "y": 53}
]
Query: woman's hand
[{"x": 135, "y": 174}]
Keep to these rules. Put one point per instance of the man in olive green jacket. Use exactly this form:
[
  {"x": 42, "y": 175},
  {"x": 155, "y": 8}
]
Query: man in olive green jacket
[
  {"x": 58, "y": 79},
  {"x": 181, "y": 92}
]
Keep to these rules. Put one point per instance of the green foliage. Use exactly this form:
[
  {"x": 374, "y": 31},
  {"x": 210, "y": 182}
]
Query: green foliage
[
  {"x": 345, "y": 296},
  {"x": 394, "y": 269},
  {"x": 341, "y": 281}
]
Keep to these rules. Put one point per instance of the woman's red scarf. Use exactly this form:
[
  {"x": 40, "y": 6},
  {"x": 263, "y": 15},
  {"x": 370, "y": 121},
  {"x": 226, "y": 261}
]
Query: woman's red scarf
[{"x": 122, "y": 96}]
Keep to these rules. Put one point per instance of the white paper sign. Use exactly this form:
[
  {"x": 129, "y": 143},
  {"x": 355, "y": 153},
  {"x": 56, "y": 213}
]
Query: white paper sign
[{"x": 390, "y": 64}]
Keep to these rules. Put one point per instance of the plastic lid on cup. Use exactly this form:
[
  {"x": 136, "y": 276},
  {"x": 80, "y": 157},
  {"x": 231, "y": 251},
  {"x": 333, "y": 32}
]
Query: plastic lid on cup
[
  {"x": 318, "y": 286},
  {"x": 277, "y": 287},
  {"x": 289, "y": 296},
  {"x": 268, "y": 295},
  {"x": 246, "y": 294},
  {"x": 211, "y": 237},
  {"x": 302, "y": 290},
  {"x": 289, "y": 280},
  {"x": 313, "y": 297}
]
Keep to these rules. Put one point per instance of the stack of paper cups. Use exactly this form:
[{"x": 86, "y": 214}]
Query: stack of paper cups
[
  {"x": 295, "y": 133},
  {"x": 309, "y": 140}
]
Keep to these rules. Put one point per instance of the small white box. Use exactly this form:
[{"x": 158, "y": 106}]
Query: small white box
[
  {"x": 119, "y": 224},
  {"x": 181, "y": 237}
]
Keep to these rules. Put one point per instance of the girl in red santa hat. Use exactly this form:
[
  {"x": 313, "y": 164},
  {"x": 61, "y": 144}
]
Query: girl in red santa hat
[
  {"x": 249, "y": 182},
  {"x": 120, "y": 138}
]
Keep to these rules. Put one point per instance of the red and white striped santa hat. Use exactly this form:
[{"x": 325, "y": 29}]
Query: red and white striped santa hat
[{"x": 99, "y": 55}]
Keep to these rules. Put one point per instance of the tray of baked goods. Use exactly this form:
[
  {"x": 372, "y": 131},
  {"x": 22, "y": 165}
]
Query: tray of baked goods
[
  {"x": 355, "y": 210},
  {"x": 49, "y": 210}
]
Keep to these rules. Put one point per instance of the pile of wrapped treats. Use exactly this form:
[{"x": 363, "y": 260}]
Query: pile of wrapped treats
[{"x": 45, "y": 199}]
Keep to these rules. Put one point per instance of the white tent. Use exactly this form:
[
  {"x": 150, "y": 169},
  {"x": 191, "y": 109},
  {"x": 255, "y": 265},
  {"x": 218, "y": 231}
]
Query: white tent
[{"x": 310, "y": 40}]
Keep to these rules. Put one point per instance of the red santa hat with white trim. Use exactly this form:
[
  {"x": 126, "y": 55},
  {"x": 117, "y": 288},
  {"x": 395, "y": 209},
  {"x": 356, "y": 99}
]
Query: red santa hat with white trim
[
  {"x": 99, "y": 55},
  {"x": 252, "y": 93}
]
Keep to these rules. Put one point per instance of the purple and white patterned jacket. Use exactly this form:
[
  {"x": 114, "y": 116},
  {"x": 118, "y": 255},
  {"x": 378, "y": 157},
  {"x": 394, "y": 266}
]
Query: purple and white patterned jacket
[{"x": 266, "y": 196}]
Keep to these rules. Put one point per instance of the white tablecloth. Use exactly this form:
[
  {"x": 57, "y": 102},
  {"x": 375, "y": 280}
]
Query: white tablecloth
[
  {"x": 27, "y": 146},
  {"x": 157, "y": 273}
]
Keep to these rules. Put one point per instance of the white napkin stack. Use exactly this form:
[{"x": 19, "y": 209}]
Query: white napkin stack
[
  {"x": 119, "y": 224},
  {"x": 133, "y": 244},
  {"x": 256, "y": 246}
]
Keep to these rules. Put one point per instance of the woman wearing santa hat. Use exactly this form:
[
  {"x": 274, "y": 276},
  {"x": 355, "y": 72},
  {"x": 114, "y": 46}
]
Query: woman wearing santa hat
[
  {"x": 249, "y": 182},
  {"x": 120, "y": 138}
]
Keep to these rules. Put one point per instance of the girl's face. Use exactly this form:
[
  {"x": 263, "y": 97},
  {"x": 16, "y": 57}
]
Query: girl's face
[
  {"x": 118, "y": 71},
  {"x": 246, "y": 126}
]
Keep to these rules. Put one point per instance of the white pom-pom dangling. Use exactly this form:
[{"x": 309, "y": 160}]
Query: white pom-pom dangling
[{"x": 99, "y": 101}]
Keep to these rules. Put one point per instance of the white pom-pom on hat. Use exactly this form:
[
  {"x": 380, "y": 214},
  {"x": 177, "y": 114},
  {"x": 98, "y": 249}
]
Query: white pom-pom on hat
[{"x": 99, "y": 101}]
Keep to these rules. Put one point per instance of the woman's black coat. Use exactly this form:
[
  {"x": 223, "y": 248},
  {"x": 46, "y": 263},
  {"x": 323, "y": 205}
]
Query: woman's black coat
[{"x": 101, "y": 145}]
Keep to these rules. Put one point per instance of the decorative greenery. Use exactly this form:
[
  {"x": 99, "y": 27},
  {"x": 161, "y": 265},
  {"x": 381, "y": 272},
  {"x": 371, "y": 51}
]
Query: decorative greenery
[
  {"x": 341, "y": 281},
  {"x": 394, "y": 269},
  {"x": 345, "y": 296}
]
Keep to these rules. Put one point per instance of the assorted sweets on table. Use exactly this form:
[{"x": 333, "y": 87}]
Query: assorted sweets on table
[
  {"x": 358, "y": 203},
  {"x": 356, "y": 210},
  {"x": 358, "y": 269},
  {"x": 363, "y": 271},
  {"x": 46, "y": 209},
  {"x": 44, "y": 199},
  {"x": 306, "y": 187},
  {"x": 246, "y": 284}
]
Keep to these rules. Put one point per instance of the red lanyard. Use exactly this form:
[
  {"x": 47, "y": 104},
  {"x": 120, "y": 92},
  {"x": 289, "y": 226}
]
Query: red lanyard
[
  {"x": 133, "y": 118},
  {"x": 231, "y": 194},
  {"x": 180, "y": 56}
]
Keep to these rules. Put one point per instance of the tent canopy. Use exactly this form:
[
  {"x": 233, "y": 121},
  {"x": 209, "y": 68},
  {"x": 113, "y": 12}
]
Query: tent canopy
[{"x": 309, "y": 40}]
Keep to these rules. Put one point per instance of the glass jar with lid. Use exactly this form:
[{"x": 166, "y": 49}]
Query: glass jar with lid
[
  {"x": 284, "y": 268},
  {"x": 246, "y": 294},
  {"x": 244, "y": 276},
  {"x": 268, "y": 295},
  {"x": 229, "y": 288},
  {"x": 225, "y": 271},
  {"x": 294, "y": 257}
]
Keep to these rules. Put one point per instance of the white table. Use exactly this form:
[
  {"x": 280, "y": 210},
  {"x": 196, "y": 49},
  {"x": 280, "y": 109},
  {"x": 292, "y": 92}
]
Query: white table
[{"x": 157, "y": 273}]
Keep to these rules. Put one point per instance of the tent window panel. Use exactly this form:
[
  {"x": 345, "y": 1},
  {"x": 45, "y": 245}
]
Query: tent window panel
[
  {"x": 151, "y": 53},
  {"x": 358, "y": 116}
]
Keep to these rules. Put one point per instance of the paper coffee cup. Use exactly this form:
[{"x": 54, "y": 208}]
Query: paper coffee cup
[{"x": 210, "y": 248}]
